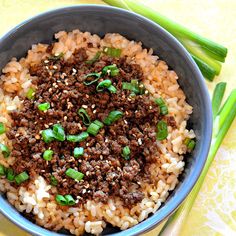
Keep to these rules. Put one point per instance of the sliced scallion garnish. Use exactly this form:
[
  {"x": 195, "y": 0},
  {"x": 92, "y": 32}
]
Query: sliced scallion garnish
[
  {"x": 47, "y": 155},
  {"x": 103, "y": 85},
  {"x": 30, "y": 93},
  {"x": 126, "y": 152},
  {"x": 84, "y": 115},
  {"x": 44, "y": 106},
  {"x": 78, "y": 137},
  {"x": 47, "y": 135},
  {"x": 111, "y": 70},
  {"x": 70, "y": 201},
  {"x": 162, "y": 131},
  {"x": 60, "y": 199},
  {"x": 78, "y": 151},
  {"x": 91, "y": 75},
  {"x": 2, "y": 128},
  {"x": 163, "y": 107},
  {"x": 94, "y": 59},
  {"x": 112, "y": 117},
  {"x": 113, "y": 52},
  {"x": 5, "y": 150},
  {"x": 2, "y": 170},
  {"x": 56, "y": 57},
  {"x": 93, "y": 129},
  {"x": 53, "y": 180},
  {"x": 112, "y": 89},
  {"x": 74, "y": 174},
  {"x": 59, "y": 132},
  {"x": 20, "y": 178},
  {"x": 10, "y": 174}
]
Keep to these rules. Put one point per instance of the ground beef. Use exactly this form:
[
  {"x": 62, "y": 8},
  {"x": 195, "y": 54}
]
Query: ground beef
[{"x": 106, "y": 172}]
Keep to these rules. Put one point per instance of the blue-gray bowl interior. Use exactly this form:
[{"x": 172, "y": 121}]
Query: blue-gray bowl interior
[{"x": 101, "y": 20}]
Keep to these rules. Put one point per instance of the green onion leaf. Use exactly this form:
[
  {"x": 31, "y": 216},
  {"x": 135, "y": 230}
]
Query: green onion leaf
[
  {"x": 93, "y": 129},
  {"x": 2, "y": 128},
  {"x": 61, "y": 200},
  {"x": 5, "y": 150},
  {"x": 47, "y": 155},
  {"x": 20, "y": 178},
  {"x": 2, "y": 170},
  {"x": 90, "y": 75},
  {"x": 53, "y": 180},
  {"x": 30, "y": 93},
  {"x": 113, "y": 52},
  {"x": 69, "y": 200},
  {"x": 56, "y": 57},
  {"x": 103, "y": 85},
  {"x": 94, "y": 59},
  {"x": 191, "y": 144},
  {"x": 10, "y": 174},
  {"x": 74, "y": 174},
  {"x": 112, "y": 117},
  {"x": 98, "y": 123},
  {"x": 163, "y": 107},
  {"x": 47, "y": 135},
  {"x": 78, "y": 151},
  {"x": 112, "y": 89},
  {"x": 162, "y": 131},
  {"x": 44, "y": 106},
  {"x": 84, "y": 115},
  {"x": 111, "y": 70},
  {"x": 58, "y": 132},
  {"x": 77, "y": 138},
  {"x": 126, "y": 152}
]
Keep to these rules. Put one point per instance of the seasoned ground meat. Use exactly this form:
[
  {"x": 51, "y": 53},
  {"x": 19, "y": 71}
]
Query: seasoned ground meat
[{"x": 106, "y": 171}]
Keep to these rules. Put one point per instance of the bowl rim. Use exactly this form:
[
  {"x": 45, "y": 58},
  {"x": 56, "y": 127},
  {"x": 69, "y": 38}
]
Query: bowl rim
[{"x": 152, "y": 221}]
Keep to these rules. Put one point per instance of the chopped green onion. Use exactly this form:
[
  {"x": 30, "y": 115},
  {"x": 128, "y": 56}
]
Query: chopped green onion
[
  {"x": 74, "y": 174},
  {"x": 30, "y": 93},
  {"x": 93, "y": 129},
  {"x": 70, "y": 201},
  {"x": 191, "y": 144},
  {"x": 112, "y": 89},
  {"x": 113, "y": 52},
  {"x": 53, "y": 180},
  {"x": 58, "y": 132},
  {"x": 186, "y": 141},
  {"x": 2, "y": 170},
  {"x": 112, "y": 117},
  {"x": 56, "y": 57},
  {"x": 78, "y": 151},
  {"x": 5, "y": 150},
  {"x": 163, "y": 107},
  {"x": 134, "y": 87},
  {"x": 47, "y": 135},
  {"x": 47, "y": 155},
  {"x": 102, "y": 85},
  {"x": 61, "y": 200},
  {"x": 98, "y": 123},
  {"x": 84, "y": 115},
  {"x": 89, "y": 82},
  {"x": 162, "y": 131},
  {"x": 77, "y": 138},
  {"x": 111, "y": 70},
  {"x": 126, "y": 152},
  {"x": 10, "y": 174},
  {"x": 94, "y": 59},
  {"x": 20, "y": 178},
  {"x": 2, "y": 128},
  {"x": 44, "y": 106}
]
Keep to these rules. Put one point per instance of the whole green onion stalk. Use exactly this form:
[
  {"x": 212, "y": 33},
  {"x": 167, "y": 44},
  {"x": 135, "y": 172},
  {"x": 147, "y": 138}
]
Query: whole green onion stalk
[
  {"x": 222, "y": 122},
  {"x": 207, "y": 54}
]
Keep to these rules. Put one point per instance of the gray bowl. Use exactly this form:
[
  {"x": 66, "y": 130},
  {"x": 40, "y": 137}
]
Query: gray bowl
[{"x": 101, "y": 20}]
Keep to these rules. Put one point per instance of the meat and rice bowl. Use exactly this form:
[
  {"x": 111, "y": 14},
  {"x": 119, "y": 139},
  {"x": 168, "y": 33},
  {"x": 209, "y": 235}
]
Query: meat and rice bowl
[{"x": 92, "y": 132}]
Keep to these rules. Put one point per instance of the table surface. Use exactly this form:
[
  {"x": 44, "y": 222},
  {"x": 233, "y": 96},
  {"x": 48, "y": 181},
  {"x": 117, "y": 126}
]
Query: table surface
[{"x": 214, "y": 211}]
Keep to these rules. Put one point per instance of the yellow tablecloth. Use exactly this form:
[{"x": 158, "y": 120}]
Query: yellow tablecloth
[{"x": 214, "y": 212}]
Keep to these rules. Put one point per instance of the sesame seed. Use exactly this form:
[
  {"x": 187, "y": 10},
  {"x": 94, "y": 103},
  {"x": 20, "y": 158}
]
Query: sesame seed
[
  {"x": 85, "y": 106},
  {"x": 65, "y": 91},
  {"x": 50, "y": 90},
  {"x": 54, "y": 67},
  {"x": 125, "y": 121},
  {"x": 56, "y": 86},
  {"x": 106, "y": 140},
  {"x": 79, "y": 125},
  {"x": 87, "y": 144},
  {"x": 56, "y": 54},
  {"x": 140, "y": 141},
  {"x": 47, "y": 67},
  {"x": 37, "y": 136},
  {"x": 126, "y": 112},
  {"x": 136, "y": 111},
  {"x": 87, "y": 96},
  {"x": 150, "y": 107},
  {"x": 74, "y": 70},
  {"x": 141, "y": 86},
  {"x": 65, "y": 118},
  {"x": 64, "y": 74},
  {"x": 43, "y": 171},
  {"x": 66, "y": 83},
  {"x": 138, "y": 183},
  {"x": 17, "y": 135},
  {"x": 129, "y": 99},
  {"x": 146, "y": 92},
  {"x": 94, "y": 111},
  {"x": 76, "y": 201},
  {"x": 101, "y": 157},
  {"x": 87, "y": 173},
  {"x": 93, "y": 106},
  {"x": 46, "y": 126},
  {"x": 46, "y": 61},
  {"x": 84, "y": 190}
]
